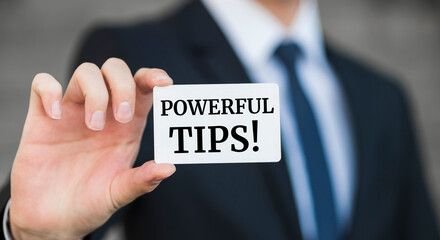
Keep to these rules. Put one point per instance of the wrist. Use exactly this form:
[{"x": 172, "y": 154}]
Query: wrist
[{"x": 20, "y": 233}]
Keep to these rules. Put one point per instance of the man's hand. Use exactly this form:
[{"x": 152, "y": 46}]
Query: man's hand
[{"x": 73, "y": 168}]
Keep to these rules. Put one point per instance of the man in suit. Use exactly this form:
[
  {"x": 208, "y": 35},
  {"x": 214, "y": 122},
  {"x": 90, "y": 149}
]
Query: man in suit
[{"x": 350, "y": 166}]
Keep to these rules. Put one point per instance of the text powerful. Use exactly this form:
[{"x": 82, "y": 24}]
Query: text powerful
[{"x": 216, "y": 106}]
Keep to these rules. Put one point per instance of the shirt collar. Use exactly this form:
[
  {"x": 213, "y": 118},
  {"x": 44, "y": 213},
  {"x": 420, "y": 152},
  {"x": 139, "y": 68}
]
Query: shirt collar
[{"x": 254, "y": 32}]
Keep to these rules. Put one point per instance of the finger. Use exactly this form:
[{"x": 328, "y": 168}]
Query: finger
[
  {"x": 132, "y": 183},
  {"x": 46, "y": 96},
  {"x": 146, "y": 79},
  {"x": 87, "y": 86},
  {"x": 122, "y": 88}
]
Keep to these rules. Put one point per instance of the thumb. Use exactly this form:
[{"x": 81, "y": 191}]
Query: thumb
[{"x": 132, "y": 183}]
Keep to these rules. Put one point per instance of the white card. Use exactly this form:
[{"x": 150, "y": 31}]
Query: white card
[{"x": 217, "y": 123}]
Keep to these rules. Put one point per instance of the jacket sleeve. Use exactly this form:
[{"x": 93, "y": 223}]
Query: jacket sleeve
[{"x": 5, "y": 195}]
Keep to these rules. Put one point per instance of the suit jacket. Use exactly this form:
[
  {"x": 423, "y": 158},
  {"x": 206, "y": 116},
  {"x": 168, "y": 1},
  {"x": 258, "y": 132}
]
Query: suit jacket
[{"x": 255, "y": 201}]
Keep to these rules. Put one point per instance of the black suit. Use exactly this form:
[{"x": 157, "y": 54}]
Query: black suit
[{"x": 255, "y": 201}]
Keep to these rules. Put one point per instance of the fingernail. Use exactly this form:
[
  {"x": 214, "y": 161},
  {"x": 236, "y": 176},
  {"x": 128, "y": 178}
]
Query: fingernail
[
  {"x": 97, "y": 121},
  {"x": 124, "y": 113},
  {"x": 56, "y": 110},
  {"x": 161, "y": 77}
]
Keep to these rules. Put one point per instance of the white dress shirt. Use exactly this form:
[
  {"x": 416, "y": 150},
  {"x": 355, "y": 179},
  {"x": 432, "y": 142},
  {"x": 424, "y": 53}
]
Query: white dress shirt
[{"x": 254, "y": 34}]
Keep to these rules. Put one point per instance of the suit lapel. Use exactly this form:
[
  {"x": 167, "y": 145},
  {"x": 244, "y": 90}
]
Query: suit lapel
[
  {"x": 354, "y": 90},
  {"x": 213, "y": 56},
  {"x": 216, "y": 61},
  {"x": 280, "y": 188}
]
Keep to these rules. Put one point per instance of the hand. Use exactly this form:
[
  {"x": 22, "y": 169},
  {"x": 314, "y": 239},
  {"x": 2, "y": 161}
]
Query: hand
[{"x": 73, "y": 168}]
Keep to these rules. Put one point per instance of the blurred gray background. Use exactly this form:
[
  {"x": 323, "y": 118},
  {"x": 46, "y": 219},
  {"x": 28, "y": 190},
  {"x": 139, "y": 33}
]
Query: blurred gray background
[{"x": 401, "y": 37}]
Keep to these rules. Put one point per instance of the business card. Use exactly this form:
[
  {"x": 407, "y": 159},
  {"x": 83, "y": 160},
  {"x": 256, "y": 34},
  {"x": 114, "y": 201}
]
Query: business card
[{"x": 217, "y": 123}]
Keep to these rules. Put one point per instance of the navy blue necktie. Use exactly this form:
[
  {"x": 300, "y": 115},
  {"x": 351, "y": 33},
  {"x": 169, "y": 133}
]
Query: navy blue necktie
[{"x": 312, "y": 146}]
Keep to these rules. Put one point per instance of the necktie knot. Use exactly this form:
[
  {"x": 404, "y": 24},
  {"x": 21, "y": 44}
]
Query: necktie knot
[{"x": 288, "y": 53}]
